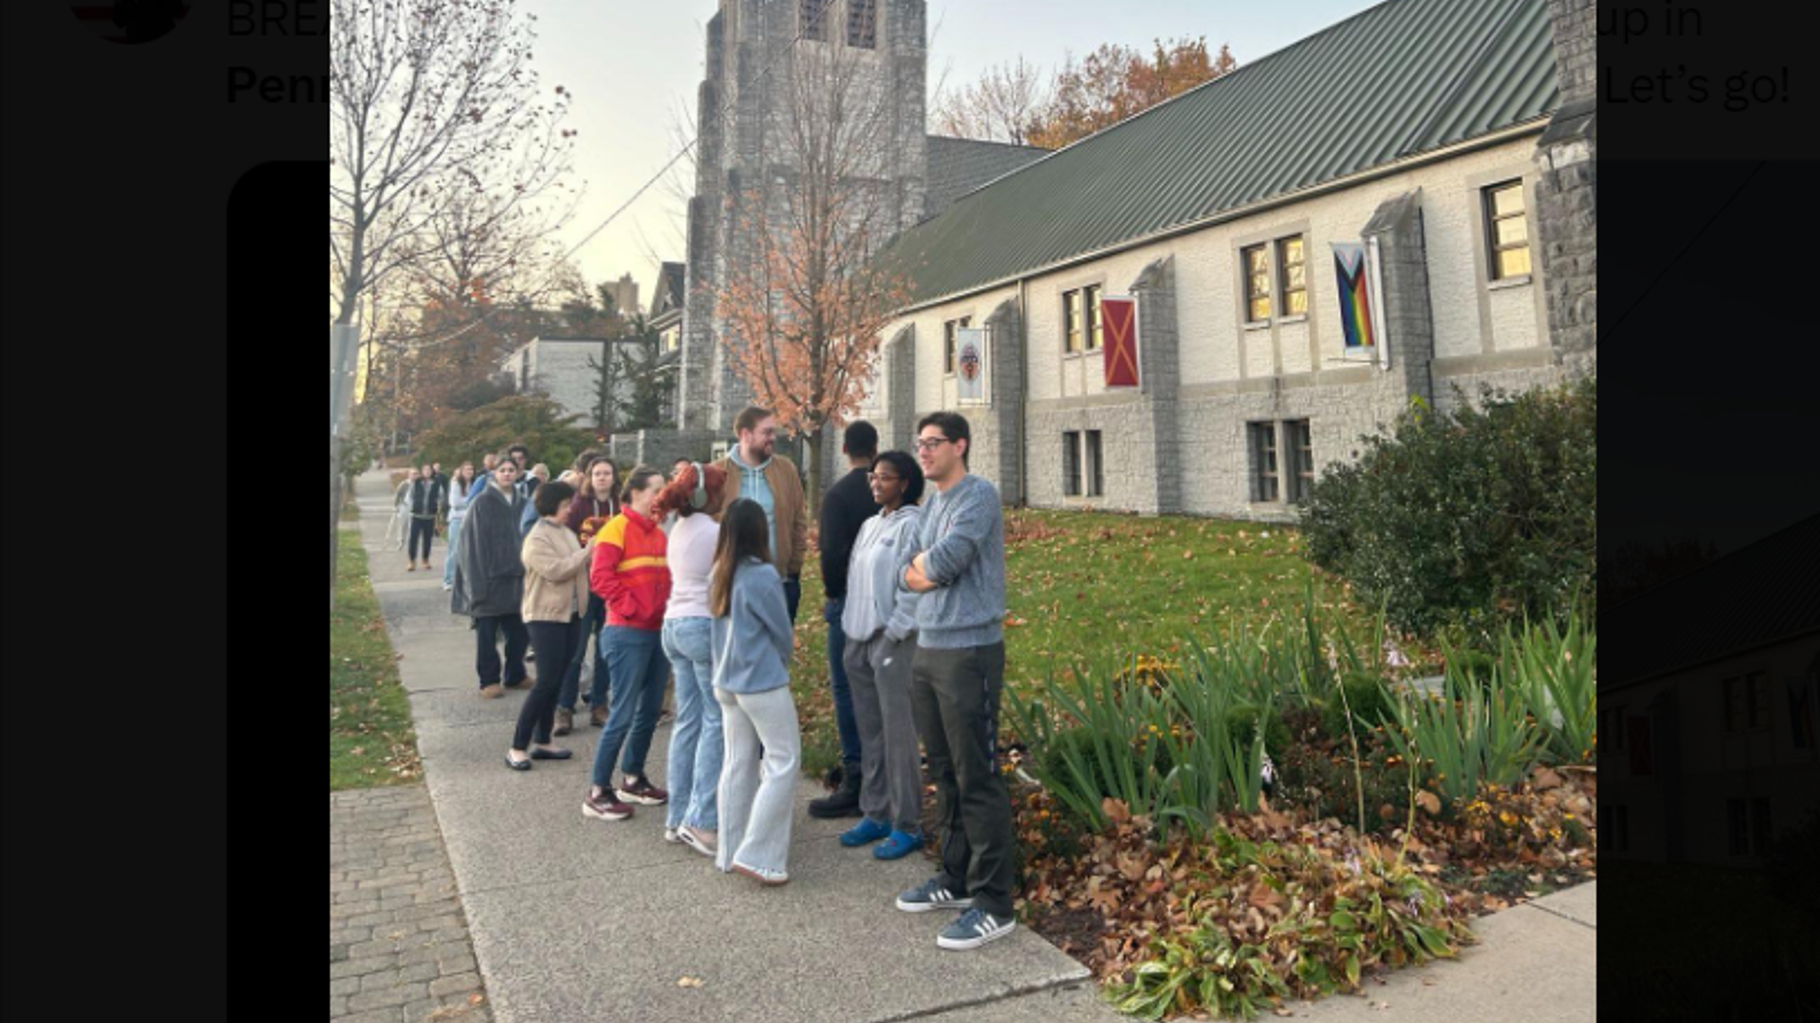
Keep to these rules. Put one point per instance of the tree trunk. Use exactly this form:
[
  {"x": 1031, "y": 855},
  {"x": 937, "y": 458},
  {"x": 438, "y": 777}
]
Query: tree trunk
[{"x": 815, "y": 475}]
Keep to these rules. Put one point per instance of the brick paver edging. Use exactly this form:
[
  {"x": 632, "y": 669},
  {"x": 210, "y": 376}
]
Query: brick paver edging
[{"x": 398, "y": 939}]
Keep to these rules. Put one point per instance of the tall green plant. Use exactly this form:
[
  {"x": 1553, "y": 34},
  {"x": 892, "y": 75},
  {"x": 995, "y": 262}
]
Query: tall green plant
[
  {"x": 1468, "y": 736},
  {"x": 1105, "y": 756},
  {"x": 1553, "y": 667}
]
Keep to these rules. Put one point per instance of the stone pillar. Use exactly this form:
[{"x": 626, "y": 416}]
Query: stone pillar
[
  {"x": 1004, "y": 463},
  {"x": 1159, "y": 376},
  {"x": 1408, "y": 315},
  {"x": 1567, "y": 194},
  {"x": 899, "y": 428}
]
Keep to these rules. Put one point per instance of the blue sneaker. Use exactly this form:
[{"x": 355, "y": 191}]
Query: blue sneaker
[
  {"x": 973, "y": 929},
  {"x": 931, "y": 894},
  {"x": 865, "y": 832},
  {"x": 899, "y": 844}
]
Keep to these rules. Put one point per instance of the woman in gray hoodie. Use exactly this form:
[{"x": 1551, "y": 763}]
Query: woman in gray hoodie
[
  {"x": 879, "y": 621},
  {"x": 753, "y": 641}
]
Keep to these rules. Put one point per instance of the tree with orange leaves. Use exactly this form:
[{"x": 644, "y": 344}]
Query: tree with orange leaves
[{"x": 803, "y": 310}]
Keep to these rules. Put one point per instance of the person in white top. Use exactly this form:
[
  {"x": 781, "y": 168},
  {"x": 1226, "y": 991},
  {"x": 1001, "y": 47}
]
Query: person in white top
[{"x": 696, "y": 744}]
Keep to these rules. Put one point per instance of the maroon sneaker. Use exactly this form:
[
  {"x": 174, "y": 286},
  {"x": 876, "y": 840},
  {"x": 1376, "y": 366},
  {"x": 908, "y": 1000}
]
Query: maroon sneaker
[
  {"x": 641, "y": 790},
  {"x": 604, "y": 807}
]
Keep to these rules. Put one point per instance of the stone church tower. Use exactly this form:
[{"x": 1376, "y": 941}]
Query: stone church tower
[{"x": 753, "y": 52}]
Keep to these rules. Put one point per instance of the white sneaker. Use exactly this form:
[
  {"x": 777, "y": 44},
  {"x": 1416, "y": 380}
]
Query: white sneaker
[
  {"x": 670, "y": 835},
  {"x": 698, "y": 840}
]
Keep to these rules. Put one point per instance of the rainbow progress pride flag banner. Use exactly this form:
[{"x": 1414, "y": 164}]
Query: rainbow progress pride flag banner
[{"x": 1355, "y": 294}]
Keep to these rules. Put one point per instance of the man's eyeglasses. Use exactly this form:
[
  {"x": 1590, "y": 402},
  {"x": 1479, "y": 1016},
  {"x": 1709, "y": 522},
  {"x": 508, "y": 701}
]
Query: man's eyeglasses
[{"x": 931, "y": 443}]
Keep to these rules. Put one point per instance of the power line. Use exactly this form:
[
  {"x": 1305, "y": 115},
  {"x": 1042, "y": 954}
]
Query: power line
[{"x": 819, "y": 20}]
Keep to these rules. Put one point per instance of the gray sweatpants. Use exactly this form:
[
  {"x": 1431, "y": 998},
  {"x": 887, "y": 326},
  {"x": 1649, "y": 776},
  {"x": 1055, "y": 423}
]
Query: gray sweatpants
[
  {"x": 955, "y": 694},
  {"x": 878, "y": 676}
]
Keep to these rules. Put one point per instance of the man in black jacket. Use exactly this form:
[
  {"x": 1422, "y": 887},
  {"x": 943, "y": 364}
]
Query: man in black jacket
[{"x": 845, "y": 508}]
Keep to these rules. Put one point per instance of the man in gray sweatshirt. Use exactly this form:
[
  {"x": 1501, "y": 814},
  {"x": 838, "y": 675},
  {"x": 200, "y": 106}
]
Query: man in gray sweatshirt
[{"x": 957, "y": 677}]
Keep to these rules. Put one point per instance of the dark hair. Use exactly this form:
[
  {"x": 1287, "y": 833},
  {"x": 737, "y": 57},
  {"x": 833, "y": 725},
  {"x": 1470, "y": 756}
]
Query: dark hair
[
  {"x": 548, "y": 496},
  {"x": 637, "y": 479},
  {"x": 954, "y": 427},
  {"x": 907, "y": 470},
  {"x": 585, "y": 459},
  {"x": 860, "y": 440},
  {"x": 506, "y": 456},
  {"x": 750, "y": 418},
  {"x": 744, "y": 533},
  {"x": 519, "y": 447}
]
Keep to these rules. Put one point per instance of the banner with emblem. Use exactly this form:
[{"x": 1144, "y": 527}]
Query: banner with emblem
[
  {"x": 970, "y": 364},
  {"x": 1118, "y": 321}
]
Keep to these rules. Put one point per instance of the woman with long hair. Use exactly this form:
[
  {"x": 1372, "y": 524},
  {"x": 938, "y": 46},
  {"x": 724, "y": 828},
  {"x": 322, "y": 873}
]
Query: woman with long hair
[
  {"x": 457, "y": 513},
  {"x": 556, "y": 593},
  {"x": 753, "y": 641},
  {"x": 594, "y": 506},
  {"x": 696, "y": 747},
  {"x": 632, "y": 575}
]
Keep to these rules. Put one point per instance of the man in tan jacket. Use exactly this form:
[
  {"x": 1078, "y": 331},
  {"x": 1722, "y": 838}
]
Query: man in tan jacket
[{"x": 756, "y": 473}]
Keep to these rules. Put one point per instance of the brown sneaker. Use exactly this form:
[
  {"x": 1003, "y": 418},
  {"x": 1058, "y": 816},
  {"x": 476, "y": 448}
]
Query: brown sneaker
[
  {"x": 410, "y": 566},
  {"x": 492, "y": 692},
  {"x": 640, "y": 790},
  {"x": 597, "y": 716},
  {"x": 565, "y": 723},
  {"x": 523, "y": 683},
  {"x": 604, "y": 807}
]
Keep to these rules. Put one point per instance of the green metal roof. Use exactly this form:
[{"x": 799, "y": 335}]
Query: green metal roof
[{"x": 1397, "y": 79}]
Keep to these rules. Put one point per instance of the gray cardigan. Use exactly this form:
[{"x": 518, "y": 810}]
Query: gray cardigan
[
  {"x": 753, "y": 641},
  {"x": 893, "y": 603}
]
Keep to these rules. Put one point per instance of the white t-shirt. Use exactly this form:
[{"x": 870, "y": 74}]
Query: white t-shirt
[{"x": 691, "y": 558}]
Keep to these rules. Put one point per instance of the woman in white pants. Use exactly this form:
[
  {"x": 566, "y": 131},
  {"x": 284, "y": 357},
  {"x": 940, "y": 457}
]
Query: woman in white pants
[{"x": 753, "y": 641}]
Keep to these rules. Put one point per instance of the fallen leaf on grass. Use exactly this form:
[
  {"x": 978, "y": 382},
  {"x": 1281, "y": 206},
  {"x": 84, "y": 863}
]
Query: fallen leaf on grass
[{"x": 688, "y": 982}]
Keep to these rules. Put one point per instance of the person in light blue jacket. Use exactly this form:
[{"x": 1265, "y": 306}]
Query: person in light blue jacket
[
  {"x": 753, "y": 641},
  {"x": 879, "y": 620}
]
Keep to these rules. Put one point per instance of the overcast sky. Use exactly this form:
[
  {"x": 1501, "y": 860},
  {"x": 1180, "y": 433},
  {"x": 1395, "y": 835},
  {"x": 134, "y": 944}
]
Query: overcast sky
[{"x": 634, "y": 68}]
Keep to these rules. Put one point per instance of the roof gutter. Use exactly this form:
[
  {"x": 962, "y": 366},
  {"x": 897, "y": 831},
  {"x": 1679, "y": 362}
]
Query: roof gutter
[{"x": 1398, "y": 166}]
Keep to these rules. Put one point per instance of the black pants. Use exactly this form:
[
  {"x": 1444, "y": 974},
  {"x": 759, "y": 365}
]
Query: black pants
[
  {"x": 486, "y": 636},
  {"x": 954, "y": 695},
  {"x": 425, "y": 528},
  {"x": 553, "y": 642},
  {"x": 793, "y": 595}
]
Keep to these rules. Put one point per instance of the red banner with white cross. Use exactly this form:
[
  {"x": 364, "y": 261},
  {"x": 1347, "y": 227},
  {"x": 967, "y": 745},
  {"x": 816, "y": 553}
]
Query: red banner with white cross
[{"x": 1118, "y": 317}]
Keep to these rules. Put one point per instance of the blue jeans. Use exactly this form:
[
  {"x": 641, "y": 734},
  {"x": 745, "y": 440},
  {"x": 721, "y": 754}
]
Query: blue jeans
[
  {"x": 571, "y": 679},
  {"x": 843, "y": 697},
  {"x": 448, "y": 561},
  {"x": 636, "y": 660},
  {"x": 696, "y": 745}
]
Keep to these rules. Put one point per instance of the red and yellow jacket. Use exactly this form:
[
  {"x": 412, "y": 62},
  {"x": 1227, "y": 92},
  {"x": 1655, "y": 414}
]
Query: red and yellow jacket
[{"x": 629, "y": 571}]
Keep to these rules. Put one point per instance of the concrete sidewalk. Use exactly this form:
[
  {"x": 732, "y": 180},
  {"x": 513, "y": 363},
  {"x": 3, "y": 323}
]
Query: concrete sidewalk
[{"x": 575, "y": 919}]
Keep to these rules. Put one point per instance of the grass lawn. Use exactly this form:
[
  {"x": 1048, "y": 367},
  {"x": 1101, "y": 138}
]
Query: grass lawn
[
  {"x": 1700, "y": 942},
  {"x": 1097, "y": 586},
  {"x": 370, "y": 738}
]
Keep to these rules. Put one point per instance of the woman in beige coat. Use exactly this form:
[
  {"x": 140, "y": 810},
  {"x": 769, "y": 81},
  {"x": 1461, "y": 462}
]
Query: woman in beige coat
[{"x": 556, "y": 595}]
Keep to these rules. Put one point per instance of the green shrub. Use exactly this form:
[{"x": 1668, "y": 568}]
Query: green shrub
[
  {"x": 1365, "y": 693},
  {"x": 532, "y": 420},
  {"x": 1242, "y": 723},
  {"x": 1077, "y": 745},
  {"x": 1482, "y": 514}
]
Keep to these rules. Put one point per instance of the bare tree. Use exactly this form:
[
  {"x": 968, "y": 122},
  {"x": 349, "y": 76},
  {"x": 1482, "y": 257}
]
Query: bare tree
[
  {"x": 1003, "y": 106},
  {"x": 418, "y": 89},
  {"x": 805, "y": 310}
]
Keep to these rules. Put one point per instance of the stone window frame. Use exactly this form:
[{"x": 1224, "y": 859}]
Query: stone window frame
[
  {"x": 1488, "y": 221},
  {"x": 1257, "y": 431},
  {"x": 1474, "y": 186},
  {"x": 1247, "y": 279},
  {"x": 875, "y": 9},
  {"x": 1297, "y": 462},
  {"x": 1270, "y": 238},
  {"x": 1280, "y": 269},
  {"x": 1071, "y": 464},
  {"x": 1097, "y": 281},
  {"x": 1093, "y": 463},
  {"x": 1750, "y": 723},
  {"x": 812, "y": 20}
]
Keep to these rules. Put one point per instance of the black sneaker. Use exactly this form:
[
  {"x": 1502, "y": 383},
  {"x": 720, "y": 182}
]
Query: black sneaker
[
  {"x": 973, "y": 929},
  {"x": 843, "y": 802}
]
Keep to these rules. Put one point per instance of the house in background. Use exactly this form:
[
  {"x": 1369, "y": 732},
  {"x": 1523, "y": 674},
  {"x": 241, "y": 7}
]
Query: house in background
[{"x": 1709, "y": 707}]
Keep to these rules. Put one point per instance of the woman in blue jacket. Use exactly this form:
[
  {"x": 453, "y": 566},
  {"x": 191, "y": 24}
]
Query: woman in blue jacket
[{"x": 753, "y": 641}]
